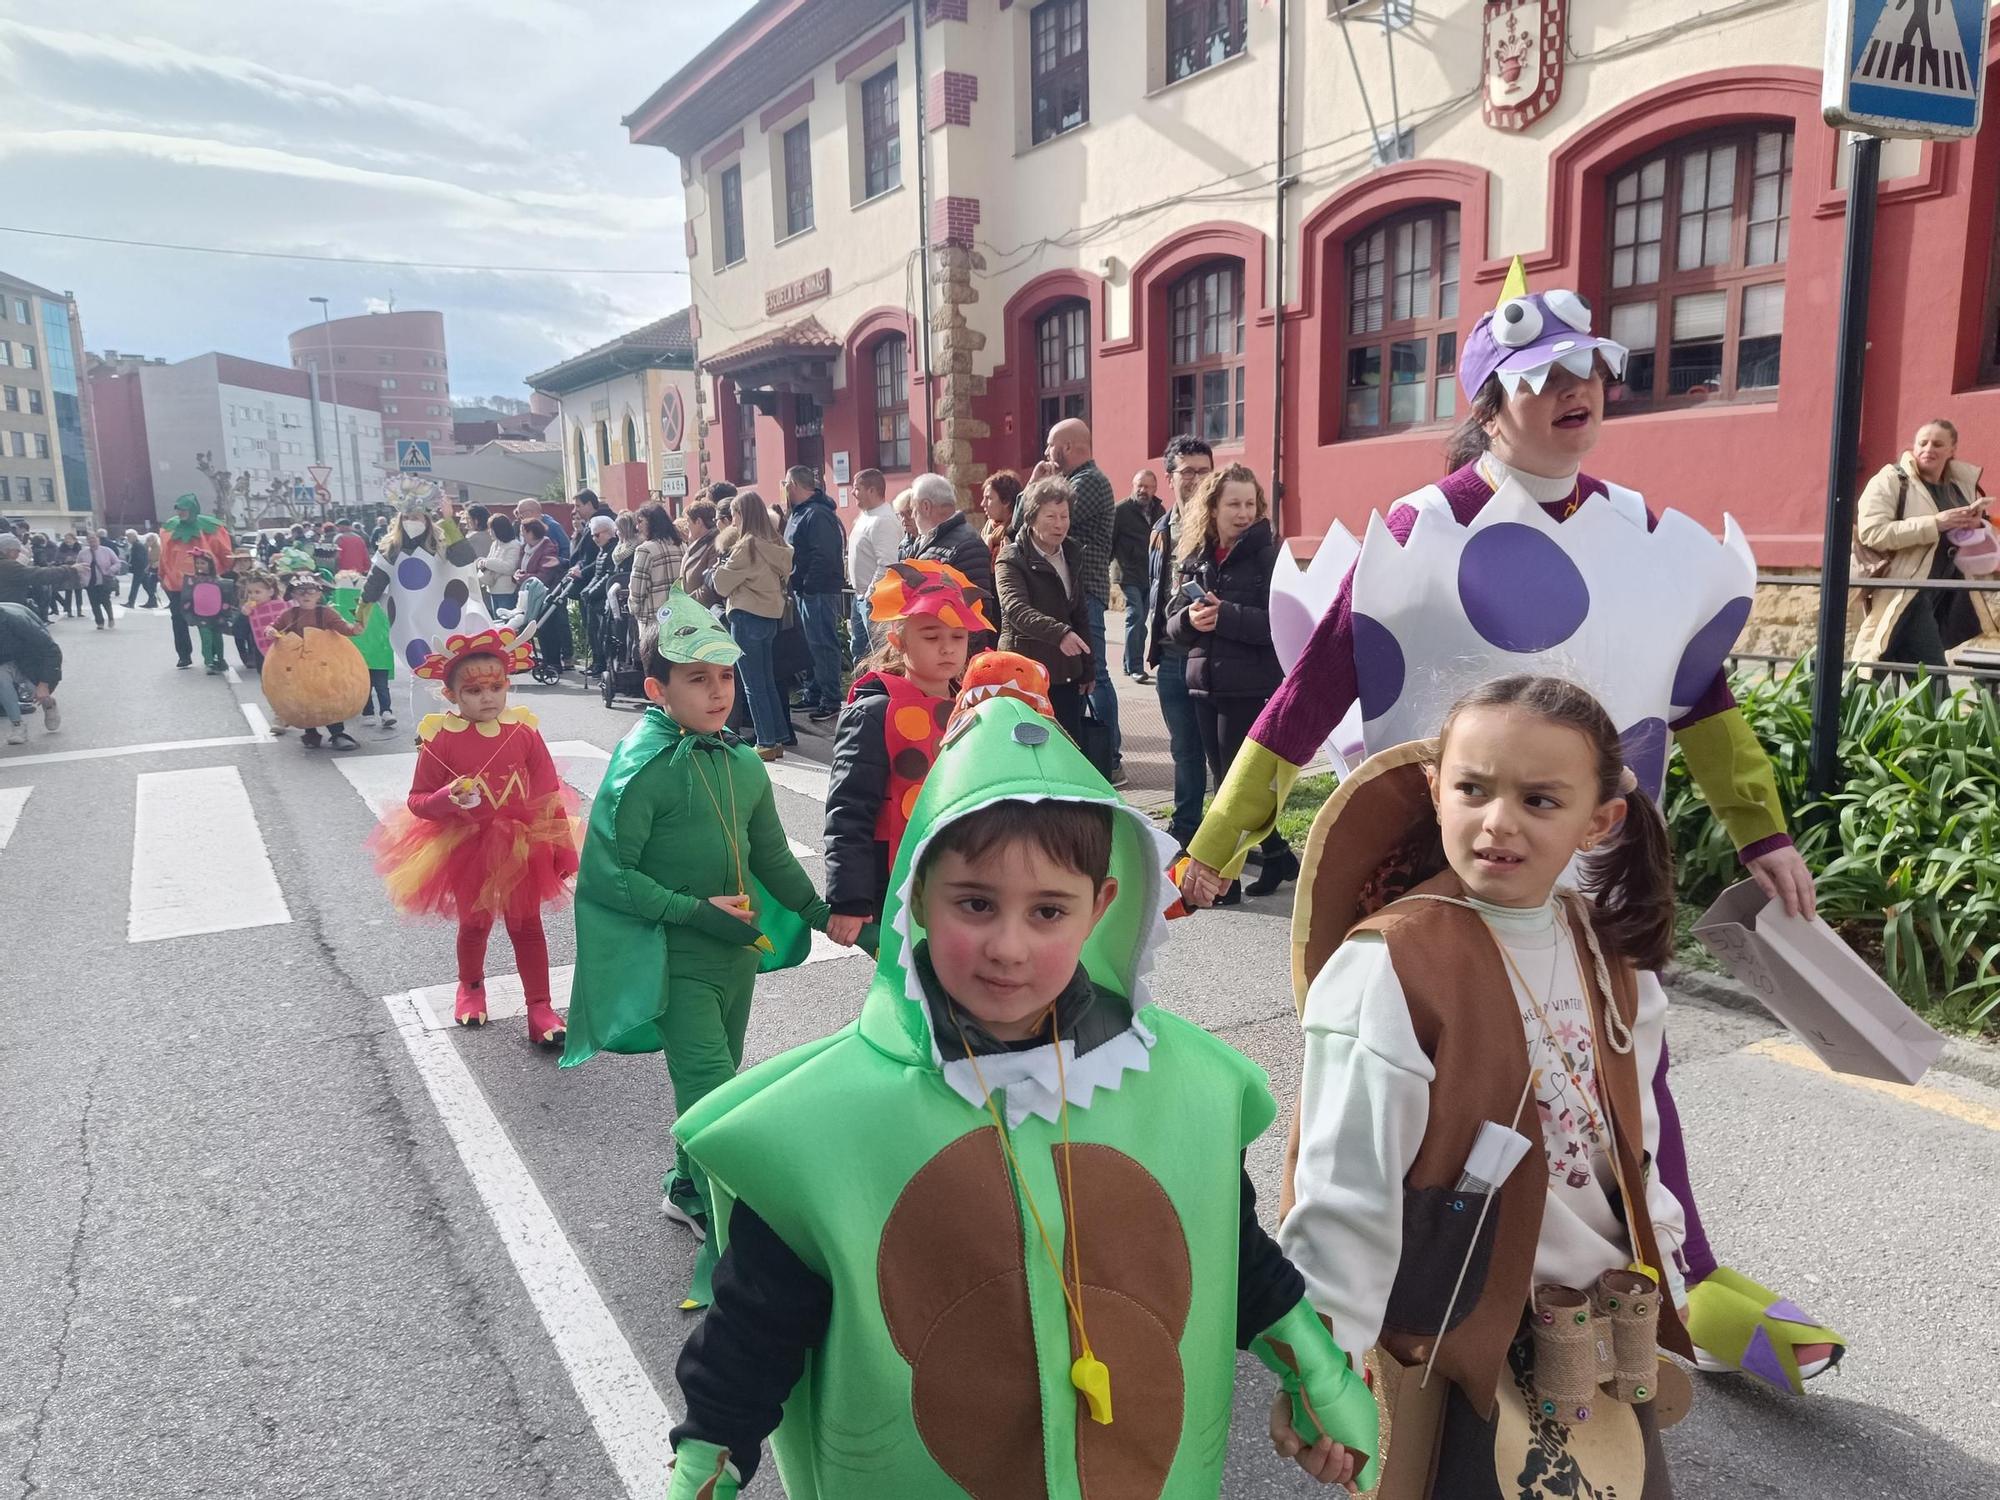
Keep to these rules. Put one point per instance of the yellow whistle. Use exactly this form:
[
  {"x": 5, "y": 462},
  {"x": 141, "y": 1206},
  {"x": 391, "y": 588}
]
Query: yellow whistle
[
  {"x": 765, "y": 945},
  {"x": 1645, "y": 1270},
  {"x": 1093, "y": 1377}
]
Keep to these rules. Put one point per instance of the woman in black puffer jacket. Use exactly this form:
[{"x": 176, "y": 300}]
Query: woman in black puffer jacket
[{"x": 1219, "y": 614}]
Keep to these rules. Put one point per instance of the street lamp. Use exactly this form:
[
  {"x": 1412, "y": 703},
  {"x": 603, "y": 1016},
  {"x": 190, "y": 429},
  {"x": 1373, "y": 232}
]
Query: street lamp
[{"x": 339, "y": 452}]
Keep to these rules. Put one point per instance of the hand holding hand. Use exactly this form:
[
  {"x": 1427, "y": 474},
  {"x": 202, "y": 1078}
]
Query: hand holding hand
[
  {"x": 1325, "y": 1460},
  {"x": 845, "y": 930},
  {"x": 1201, "y": 884}
]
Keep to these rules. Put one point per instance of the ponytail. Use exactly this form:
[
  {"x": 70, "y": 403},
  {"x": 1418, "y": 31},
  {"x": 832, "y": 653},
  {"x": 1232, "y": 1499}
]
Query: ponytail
[{"x": 1631, "y": 886}]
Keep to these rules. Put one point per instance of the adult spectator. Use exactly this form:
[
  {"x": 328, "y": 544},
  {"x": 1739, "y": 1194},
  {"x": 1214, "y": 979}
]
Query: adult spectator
[
  {"x": 139, "y": 564},
  {"x": 1044, "y": 608},
  {"x": 812, "y": 531},
  {"x": 1132, "y": 553},
  {"x": 531, "y": 510},
  {"x": 871, "y": 546},
  {"x": 596, "y": 568},
  {"x": 96, "y": 571},
  {"x": 479, "y": 529},
  {"x": 499, "y": 569},
  {"x": 1000, "y": 501},
  {"x": 1069, "y": 454},
  {"x": 1219, "y": 615},
  {"x": 701, "y": 555},
  {"x": 350, "y": 549},
  {"x": 905, "y": 507},
  {"x": 656, "y": 565},
  {"x": 21, "y": 582},
  {"x": 30, "y": 658},
  {"x": 945, "y": 533},
  {"x": 188, "y": 533},
  {"x": 152, "y": 540},
  {"x": 68, "y": 592},
  {"x": 752, "y": 577},
  {"x": 1907, "y": 511},
  {"x": 1189, "y": 463}
]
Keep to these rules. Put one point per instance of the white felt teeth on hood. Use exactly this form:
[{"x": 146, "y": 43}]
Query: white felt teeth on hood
[{"x": 1578, "y": 362}]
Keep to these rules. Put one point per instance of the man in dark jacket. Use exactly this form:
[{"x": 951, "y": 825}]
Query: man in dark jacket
[
  {"x": 819, "y": 582},
  {"x": 1131, "y": 550},
  {"x": 20, "y": 581},
  {"x": 29, "y": 657},
  {"x": 1070, "y": 447},
  {"x": 944, "y": 533}
]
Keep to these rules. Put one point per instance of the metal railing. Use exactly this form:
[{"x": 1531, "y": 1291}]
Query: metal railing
[{"x": 1968, "y": 672}]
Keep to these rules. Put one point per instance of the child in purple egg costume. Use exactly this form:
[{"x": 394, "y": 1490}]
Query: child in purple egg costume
[
  {"x": 1518, "y": 562},
  {"x": 424, "y": 575}
]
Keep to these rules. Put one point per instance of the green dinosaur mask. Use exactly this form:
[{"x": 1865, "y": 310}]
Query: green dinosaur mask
[{"x": 689, "y": 633}]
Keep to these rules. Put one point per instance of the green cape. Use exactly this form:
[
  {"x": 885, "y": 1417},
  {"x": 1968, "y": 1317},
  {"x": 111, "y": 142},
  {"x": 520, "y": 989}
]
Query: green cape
[{"x": 624, "y": 980}]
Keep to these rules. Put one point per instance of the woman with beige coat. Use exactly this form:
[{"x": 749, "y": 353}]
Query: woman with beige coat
[
  {"x": 1906, "y": 512},
  {"x": 751, "y": 579}
]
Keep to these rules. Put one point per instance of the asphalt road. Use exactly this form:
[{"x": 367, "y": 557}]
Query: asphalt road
[{"x": 245, "y": 1254}]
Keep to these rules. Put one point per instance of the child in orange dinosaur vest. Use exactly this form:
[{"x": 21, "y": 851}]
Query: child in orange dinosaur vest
[
  {"x": 488, "y": 832},
  {"x": 890, "y": 731}
]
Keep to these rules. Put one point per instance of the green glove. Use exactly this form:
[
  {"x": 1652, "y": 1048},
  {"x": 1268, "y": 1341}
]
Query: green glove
[
  {"x": 702, "y": 1471},
  {"x": 1328, "y": 1398},
  {"x": 710, "y": 920}
]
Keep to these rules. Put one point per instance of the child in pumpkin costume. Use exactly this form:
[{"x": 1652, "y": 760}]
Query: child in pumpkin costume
[
  {"x": 489, "y": 831},
  {"x": 997, "y": 1233},
  {"x": 303, "y": 611},
  {"x": 688, "y": 890},
  {"x": 1454, "y": 997},
  {"x": 890, "y": 728}
]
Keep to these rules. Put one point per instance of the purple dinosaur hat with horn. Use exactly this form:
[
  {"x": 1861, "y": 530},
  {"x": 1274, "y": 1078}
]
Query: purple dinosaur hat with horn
[{"x": 1528, "y": 334}]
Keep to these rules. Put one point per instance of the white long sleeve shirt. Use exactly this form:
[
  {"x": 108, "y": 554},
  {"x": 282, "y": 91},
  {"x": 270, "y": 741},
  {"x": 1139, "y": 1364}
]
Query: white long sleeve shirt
[
  {"x": 1365, "y": 1104},
  {"x": 871, "y": 546}
]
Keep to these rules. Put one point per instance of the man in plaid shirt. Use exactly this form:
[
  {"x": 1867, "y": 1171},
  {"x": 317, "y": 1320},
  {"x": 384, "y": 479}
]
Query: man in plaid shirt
[{"x": 1090, "y": 522}]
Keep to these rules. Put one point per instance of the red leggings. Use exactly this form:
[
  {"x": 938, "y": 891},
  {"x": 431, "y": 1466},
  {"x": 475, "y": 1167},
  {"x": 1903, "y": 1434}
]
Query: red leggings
[{"x": 531, "y": 950}]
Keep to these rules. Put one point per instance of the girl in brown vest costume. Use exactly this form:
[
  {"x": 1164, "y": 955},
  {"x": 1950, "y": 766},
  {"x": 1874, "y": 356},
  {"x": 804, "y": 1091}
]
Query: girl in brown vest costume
[{"x": 1452, "y": 989}]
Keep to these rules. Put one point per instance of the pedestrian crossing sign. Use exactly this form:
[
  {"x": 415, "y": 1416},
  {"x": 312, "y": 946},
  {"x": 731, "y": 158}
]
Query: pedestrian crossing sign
[
  {"x": 1911, "y": 68},
  {"x": 413, "y": 455}
]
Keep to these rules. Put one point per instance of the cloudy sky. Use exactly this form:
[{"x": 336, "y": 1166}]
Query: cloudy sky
[{"x": 474, "y": 133}]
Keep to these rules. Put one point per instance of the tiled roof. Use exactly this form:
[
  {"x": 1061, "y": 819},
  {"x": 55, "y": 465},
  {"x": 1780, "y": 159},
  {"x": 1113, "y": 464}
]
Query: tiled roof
[
  {"x": 806, "y": 335},
  {"x": 667, "y": 341}
]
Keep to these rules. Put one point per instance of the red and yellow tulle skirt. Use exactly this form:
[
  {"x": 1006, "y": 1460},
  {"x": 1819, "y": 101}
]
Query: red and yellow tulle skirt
[{"x": 487, "y": 866}]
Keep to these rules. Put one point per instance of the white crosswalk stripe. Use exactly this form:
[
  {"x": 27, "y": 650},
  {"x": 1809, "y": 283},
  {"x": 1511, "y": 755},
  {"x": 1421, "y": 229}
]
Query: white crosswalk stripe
[
  {"x": 199, "y": 864},
  {"x": 12, "y": 800}
]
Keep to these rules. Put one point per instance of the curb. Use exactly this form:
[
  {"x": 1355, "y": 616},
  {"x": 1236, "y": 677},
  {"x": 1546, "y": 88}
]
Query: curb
[{"x": 1973, "y": 1060}]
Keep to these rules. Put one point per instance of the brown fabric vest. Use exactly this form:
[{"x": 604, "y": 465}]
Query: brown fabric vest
[{"x": 1466, "y": 1019}]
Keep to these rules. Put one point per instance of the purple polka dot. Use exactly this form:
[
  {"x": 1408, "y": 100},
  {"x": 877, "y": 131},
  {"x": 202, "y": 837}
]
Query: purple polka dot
[
  {"x": 1519, "y": 588},
  {"x": 1704, "y": 655},
  {"x": 1378, "y": 664},
  {"x": 456, "y": 591},
  {"x": 1644, "y": 747},
  {"x": 449, "y": 611},
  {"x": 389, "y": 605},
  {"x": 413, "y": 572},
  {"x": 417, "y": 652}
]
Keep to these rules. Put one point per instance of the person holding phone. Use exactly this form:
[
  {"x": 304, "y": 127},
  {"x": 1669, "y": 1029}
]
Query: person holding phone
[
  {"x": 1219, "y": 615},
  {"x": 1909, "y": 511}
]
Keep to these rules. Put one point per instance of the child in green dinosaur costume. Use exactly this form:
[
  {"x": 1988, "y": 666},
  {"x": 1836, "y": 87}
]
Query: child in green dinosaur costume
[
  {"x": 996, "y": 1235},
  {"x": 687, "y": 889}
]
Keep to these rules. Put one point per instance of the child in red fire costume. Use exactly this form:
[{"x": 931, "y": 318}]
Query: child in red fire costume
[{"x": 489, "y": 831}]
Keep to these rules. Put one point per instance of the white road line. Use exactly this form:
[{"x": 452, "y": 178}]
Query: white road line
[
  {"x": 383, "y": 781},
  {"x": 12, "y": 800},
  {"x": 631, "y": 1417},
  {"x": 113, "y": 752},
  {"x": 198, "y": 858},
  {"x": 254, "y": 717},
  {"x": 231, "y": 676},
  {"x": 800, "y": 776}
]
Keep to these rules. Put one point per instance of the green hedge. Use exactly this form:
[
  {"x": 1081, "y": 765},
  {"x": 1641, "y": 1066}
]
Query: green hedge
[{"x": 1907, "y": 852}]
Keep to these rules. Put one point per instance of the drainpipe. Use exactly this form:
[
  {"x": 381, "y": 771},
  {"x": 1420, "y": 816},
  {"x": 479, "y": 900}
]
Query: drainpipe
[
  {"x": 1283, "y": 188},
  {"x": 924, "y": 231}
]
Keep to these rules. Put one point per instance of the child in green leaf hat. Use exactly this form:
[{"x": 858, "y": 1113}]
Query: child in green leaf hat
[
  {"x": 687, "y": 891},
  {"x": 996, "y": 1236}
]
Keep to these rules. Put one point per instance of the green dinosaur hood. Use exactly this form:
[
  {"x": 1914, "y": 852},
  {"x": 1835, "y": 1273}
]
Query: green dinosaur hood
[{"x": 1001, "y": 750}]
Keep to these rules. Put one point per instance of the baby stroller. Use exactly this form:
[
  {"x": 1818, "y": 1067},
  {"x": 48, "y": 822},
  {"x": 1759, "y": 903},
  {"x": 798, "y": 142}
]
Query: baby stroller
[
  {"x": 539, "y": 604},
  {"x": 624, "y": 674}
]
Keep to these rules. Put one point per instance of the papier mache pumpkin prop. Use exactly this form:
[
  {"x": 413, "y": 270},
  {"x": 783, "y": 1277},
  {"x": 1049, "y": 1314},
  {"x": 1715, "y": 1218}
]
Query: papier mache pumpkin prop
[{"x": 313, "y": 675}]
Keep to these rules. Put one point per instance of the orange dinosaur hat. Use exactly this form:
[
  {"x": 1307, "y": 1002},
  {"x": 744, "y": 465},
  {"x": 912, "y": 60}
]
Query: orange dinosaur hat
[
  {"x": 923, "y": 587},
  {"x": 1002, "y": 674},
  {"x": 497, "y": 643}
]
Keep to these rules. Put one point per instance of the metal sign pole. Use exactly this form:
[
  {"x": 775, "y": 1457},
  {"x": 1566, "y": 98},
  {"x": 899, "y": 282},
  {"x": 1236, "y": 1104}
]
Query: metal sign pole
[{"x": 1842, "y": 466}]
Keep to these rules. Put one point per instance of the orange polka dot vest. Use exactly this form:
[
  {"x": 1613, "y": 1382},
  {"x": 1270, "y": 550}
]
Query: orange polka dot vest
[{"x": 911, "y": 732}]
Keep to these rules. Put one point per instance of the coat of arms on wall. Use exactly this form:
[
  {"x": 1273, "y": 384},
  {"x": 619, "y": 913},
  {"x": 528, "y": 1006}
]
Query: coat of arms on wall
[{"x": 1523, "y": 57}]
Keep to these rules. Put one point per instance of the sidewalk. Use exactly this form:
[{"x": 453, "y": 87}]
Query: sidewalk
[{"x": 1149, "y": 764}]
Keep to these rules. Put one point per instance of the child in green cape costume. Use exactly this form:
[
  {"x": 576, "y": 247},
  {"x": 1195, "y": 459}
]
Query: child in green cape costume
[
  {"x": 684, "y": 828},
  {"x": 1006, "y": 1261}
]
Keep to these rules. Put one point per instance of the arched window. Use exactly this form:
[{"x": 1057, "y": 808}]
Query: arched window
[
  {"x": 631, "y": 438},
  {"x": 1698, "y": 235},
  {"x": 889, "y": 360},
  {"x": 582, "y": 458},
  {"x": 1402, "y": 324},
  {"x": 1062, "y": 365},
  {"x": 604, "y": 443},
  {"x": 1205, "y": 382}
]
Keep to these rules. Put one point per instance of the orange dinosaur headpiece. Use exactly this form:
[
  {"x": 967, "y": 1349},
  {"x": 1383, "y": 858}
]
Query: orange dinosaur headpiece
[
  {"x": 513, "y": 656},
  {"x": 1002, "y": 674},
  {"x": 923, "y": 587}
]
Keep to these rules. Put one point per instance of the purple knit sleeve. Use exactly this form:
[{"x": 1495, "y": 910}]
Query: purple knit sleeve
[{"x": 1321, "y": 687}]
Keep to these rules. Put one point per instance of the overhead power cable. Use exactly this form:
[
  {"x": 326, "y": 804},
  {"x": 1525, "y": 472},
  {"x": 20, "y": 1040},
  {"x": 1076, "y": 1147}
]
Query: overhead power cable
[{"x": 342, "y": 260}]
